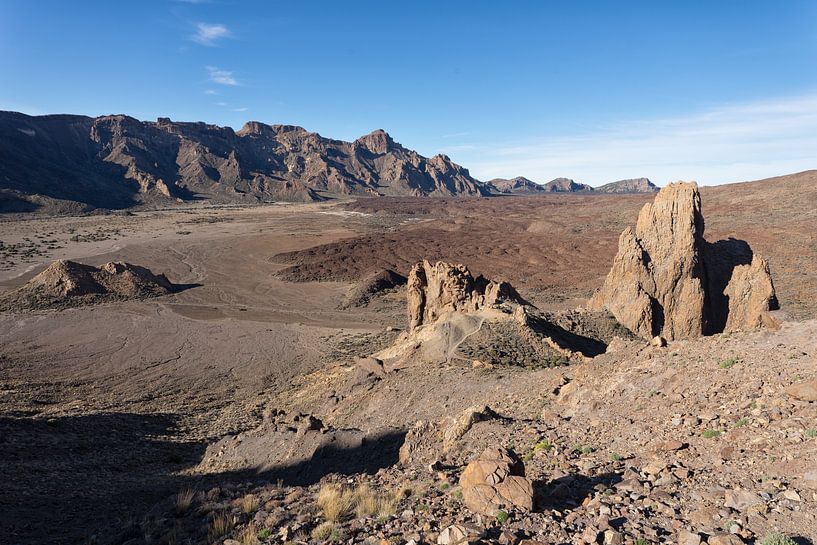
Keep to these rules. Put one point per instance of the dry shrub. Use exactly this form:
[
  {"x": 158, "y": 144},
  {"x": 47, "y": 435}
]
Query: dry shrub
[
  {"x": 335, "y": 502},
  {"x": 323, "y": 531},
  {"x": 184, "y": 500},
  {"x": 250, "y": 535},
  {"x": 220, "y": 525},
  {"x": 249, "y": 504}
]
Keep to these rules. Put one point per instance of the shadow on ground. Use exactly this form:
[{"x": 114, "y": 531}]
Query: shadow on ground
[{"x": 78, "y": 479}]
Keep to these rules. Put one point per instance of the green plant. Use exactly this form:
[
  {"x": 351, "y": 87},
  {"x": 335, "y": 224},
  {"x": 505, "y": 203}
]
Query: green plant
[
  {"x": 264, "y": 533},
  {"x": 641, "y": 541},
  {"x": 616, "y": 457},
  {"x": 776, "y": 538},
  {"x": 742, "y": 422},
  {"x": 582, "y": 449},
  {"x": 544, "y": 444},
  {"x": 502, "y": 516},
  {"x": 811, "y": 433},
  {"x": 727, "y": 363},
  {"x": 711, "y": 434},
  {"x": 445, "y": 486}
]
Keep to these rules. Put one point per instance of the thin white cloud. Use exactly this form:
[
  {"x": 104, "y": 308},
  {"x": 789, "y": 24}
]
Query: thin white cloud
[
  {"x": 210, "y": 92},
  {"x": 209, "y": 34},
  {"x": 222, "y": 77},
  {"x": 723, "y": 144},
  {"x": 240, "y": 109}
]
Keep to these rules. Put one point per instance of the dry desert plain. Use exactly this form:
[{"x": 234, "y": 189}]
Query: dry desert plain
[{"x": 107, "y": 410}]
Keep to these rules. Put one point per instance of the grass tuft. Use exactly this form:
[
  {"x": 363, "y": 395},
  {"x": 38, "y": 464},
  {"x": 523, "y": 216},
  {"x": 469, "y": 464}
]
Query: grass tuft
[{"x": 184, "y": 500}]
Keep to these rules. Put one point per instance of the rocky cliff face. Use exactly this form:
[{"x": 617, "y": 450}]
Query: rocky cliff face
[
  {"x": 118, "y": 161},
  {"x": 667, "y": 280}
]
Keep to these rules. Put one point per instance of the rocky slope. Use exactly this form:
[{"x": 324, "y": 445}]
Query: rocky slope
[
  {"x": 60, "y": 161},
  {"x": 632, "y": 185}
]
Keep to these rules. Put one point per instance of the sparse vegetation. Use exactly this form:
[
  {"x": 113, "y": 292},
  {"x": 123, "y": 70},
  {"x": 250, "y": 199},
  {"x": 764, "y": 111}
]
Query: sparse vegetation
[
  {"x": 324, "y": 531},
  {"x": 776, "y": 538},
  {"x": 810, "y": 433},
  {"x": 184, "y": 500},
  {"x": 616, "y": 457},
  {"x": 727, "y": 363},
  {"x": 220, "y": 524},
  {"x": 335, "y": 502},
  {"x": 711, "y": 434},
  {"x": 249, "y": 504},
  {"x": 742, "y": 422},
  {"x": 250, "y": 535},
  {"x": 502, "y": 517}
]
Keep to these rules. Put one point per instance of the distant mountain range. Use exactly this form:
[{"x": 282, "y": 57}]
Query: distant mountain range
[
  {"x": 71, "y": 163},
  {"x": 118, "y": 161},
  {"x": 523, "y": 186}
]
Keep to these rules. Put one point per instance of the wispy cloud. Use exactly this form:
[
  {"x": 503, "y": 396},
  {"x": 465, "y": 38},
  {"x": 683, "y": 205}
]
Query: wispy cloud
[
  {"x": 210, "y": 92},
  {"x": 222, "y": 77},
  {"x": 240, "y": 109},
  {"x": 728, "y": 143},
  {"x": 209, "y": 34}
]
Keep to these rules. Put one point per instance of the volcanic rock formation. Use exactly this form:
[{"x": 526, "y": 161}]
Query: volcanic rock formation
[
  {"x": 434, "y": 290},
  {"x": 667, "y": 280},
  {"x": 66, "y": 282}
]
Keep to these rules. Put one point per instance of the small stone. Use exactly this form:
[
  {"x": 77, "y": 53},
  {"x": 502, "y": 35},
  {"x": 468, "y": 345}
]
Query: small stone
[{"x": 659, "y": 341}]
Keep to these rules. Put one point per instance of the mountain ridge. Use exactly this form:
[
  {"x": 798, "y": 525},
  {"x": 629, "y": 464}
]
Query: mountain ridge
[{"x": 118, "y": 161}]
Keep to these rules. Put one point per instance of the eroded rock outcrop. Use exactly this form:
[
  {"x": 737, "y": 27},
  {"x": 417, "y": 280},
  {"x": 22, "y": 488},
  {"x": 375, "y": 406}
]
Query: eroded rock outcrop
[
  {"x": 65, "y": 283},
  {"x": 496, "y": 480},
  {"x": 434, "y": 290},
  {"x": 668, "y": 280}
]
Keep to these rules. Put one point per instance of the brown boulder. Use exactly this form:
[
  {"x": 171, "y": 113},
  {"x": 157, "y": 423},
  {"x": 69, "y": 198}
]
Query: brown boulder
[
  {"x": 434, "y": 290},
  {"x": 494, "y": 481},
  {"x": 668, "y": 280}
]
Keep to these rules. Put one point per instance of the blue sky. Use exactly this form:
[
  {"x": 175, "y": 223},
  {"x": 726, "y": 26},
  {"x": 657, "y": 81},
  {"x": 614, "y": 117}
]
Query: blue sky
[{"x": 716, "y": 91}]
